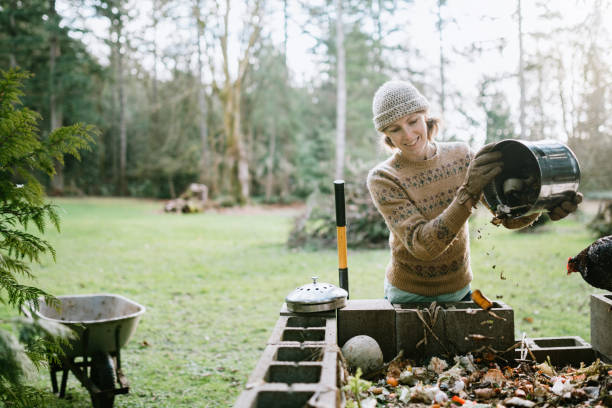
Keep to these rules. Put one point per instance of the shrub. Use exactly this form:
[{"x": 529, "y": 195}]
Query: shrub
[
  {"x": 316, "y": 227},
  {"x": 601, "y": 224}
]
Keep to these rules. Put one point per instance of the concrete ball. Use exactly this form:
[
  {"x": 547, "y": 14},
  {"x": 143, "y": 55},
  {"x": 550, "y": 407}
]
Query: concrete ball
[{"x": 363, "y": 351}]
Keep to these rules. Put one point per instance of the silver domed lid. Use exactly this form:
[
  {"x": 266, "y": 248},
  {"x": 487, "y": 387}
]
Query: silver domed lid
[{"x": 316, "y": 297}]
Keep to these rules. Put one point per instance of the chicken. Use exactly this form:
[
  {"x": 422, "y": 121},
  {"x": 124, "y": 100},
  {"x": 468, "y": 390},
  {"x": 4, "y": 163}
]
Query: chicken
[{"x": 594, "y": 263}]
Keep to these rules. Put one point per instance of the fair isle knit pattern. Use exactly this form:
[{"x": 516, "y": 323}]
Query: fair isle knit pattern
[{"x": 428, "y": 230}]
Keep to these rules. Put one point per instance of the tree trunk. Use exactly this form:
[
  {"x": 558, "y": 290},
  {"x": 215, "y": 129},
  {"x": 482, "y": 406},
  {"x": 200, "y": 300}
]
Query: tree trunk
[
  {"x": 171, "y": 188},
  {"x": 521, "y": 72},
  {"x": 240, "y": 151},
  {"x": 285, "y": 31},
  {"x": 203, "y": 109},
  {"x": 230, "y": 96},
  {"x": 568, "y": 126},
  {"x": 340, "y": 94},
  {"x": 541, "y": 127},
  {"x": 442, "y": 62},
  {"x": 270, "y": 161},
  {"x": 13, "y": 33},
  {"x": 55, "y": 108},
  {"x": 122, "y": 126}
]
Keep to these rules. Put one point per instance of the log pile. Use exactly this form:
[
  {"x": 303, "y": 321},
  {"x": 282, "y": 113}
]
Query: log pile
[{"x": 193, "y": 200}]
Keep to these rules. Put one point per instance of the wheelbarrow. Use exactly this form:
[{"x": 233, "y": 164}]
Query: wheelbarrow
[{"x": 103, "y": 323}]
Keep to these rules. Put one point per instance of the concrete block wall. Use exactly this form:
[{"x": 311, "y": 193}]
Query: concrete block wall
[
  {"x": 601, "y": 325},
  {"x": 298, "y": 367},
  {"x": 461, "y": 326},
  {"x": 562, "y": 351}
]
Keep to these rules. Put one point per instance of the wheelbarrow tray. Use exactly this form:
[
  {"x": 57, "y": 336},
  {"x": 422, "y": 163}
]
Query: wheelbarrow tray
[{"x": 107, "y": 320}]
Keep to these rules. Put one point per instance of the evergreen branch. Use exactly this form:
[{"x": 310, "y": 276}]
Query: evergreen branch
[
  {"x": 45, "y": 340},
  {"x": 11, "y": 87},
  {"x": 19, "y": 295},
  {"x": 30, "y": 190},
  {"x": 14, "y": 212},
  {"x": 70, "y": 140},
  {"x": 19, "y": 131},
  {"x": 11, "y": 266},
  {"x": 22, "y": 244},
  {"x": 19, "y": 395}
]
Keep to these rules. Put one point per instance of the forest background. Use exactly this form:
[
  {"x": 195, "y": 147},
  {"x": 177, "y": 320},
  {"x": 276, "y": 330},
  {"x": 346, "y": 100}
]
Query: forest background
[{"x": 270, "y": 100}]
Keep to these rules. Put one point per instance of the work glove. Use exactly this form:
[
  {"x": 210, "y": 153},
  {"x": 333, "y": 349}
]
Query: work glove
[
  {"x": 566, "y": 207},
  {"x": 483, "y": 168}
]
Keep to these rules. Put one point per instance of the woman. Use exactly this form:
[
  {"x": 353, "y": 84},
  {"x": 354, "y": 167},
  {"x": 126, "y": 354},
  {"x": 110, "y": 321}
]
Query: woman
[{"x": 426, "y": 191}]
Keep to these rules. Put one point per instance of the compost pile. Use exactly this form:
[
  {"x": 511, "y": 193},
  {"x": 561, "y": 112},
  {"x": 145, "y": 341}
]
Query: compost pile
[{"x": 480, "y": 382}]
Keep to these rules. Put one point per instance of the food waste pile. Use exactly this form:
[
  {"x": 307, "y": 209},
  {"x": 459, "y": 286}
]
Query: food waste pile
[{"x": 481, "y": 381}]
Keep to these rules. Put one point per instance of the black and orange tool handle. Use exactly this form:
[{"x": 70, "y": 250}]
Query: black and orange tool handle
[{"x": 341, "y": 231}]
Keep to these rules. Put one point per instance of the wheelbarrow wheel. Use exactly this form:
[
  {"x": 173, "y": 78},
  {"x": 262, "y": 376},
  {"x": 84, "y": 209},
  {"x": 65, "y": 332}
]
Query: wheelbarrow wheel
[{"x": 103, "y": 375}]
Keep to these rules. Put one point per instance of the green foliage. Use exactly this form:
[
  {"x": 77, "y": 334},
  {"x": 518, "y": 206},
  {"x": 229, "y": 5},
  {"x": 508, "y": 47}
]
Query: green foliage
[
  {"x": 24, "y": 153},
  {"x": 316, "y": 227},
  {"x": 355, "y": 389}
]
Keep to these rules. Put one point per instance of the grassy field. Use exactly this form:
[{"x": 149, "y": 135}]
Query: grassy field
[{"x": 213, "y": 284}]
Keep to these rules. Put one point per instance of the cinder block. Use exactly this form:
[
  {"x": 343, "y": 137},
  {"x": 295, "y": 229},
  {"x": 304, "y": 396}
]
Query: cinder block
[
  {"x": 371, "y": 317},
  {"x": 279, "y": 380},
  {"x": 284, "y": 396},
  {"x": 460, "y": 327},
  {"x": 567, "y": 350},
  {"x": 601, "y": 324},
  {"x": 304, "y": 329}
]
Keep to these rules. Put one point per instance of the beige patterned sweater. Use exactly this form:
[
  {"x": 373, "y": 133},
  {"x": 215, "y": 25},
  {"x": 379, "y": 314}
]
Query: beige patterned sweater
[{"x": 429, "y": 236}]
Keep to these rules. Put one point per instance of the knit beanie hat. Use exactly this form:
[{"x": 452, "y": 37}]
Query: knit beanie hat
[{"x": 396, "y": 99}]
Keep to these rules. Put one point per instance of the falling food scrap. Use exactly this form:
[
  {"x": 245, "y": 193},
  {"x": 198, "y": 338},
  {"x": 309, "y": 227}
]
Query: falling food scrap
[
  {"x": 528, "y": 319},
  {"x": 501, "y": 275},
  {"x": 481, "y": 300}
]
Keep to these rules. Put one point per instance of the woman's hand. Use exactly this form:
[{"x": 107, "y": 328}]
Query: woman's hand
[
  {"x": 565, "y": 207},
  {"x": 482, "y": 169}
]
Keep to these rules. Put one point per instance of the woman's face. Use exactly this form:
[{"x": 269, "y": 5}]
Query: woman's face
[{"x": 409, "y": 134}]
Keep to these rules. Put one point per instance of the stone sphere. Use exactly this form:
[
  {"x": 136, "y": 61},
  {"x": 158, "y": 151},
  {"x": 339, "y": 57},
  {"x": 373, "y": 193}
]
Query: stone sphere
[{"x": 363, "y": 351}]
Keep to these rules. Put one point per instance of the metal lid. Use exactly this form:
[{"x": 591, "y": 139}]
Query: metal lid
[{"x": 316, "y": 297}]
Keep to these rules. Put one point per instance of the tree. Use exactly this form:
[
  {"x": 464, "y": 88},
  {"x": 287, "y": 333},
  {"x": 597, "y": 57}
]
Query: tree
[
  {"x": 116, "y": 13},
  {"x": 230, "y": 93},
  {"x": 200, "y": 24},
  {"x": 497, "y": 111},
  {"x": 24, "y": 153}
]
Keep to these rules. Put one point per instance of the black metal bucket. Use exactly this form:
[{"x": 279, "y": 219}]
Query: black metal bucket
[{"x": 537, "y": 176}]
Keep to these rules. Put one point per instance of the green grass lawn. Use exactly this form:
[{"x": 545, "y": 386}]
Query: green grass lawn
[{"x": 213, "y": 285}]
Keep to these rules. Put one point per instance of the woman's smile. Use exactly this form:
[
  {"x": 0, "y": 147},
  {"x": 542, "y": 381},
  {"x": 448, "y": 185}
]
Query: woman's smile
[
  {"x": 413, "y": 143},
  {"x": 408, "y": 134}
]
